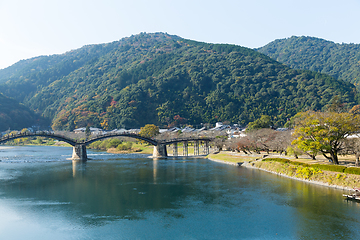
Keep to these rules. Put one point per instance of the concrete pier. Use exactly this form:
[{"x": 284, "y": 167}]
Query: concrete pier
[
  {"x": 160, "y": 151},
  {"x": 79, "y": 153}
]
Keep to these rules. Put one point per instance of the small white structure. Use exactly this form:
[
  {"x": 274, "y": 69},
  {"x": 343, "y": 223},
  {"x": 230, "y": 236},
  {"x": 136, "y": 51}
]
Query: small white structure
[{"x": 218, "y": 124}]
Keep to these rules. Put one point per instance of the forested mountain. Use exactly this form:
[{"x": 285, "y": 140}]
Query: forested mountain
[
  {"x": 341, "y": 61},
  {"x": 26, "y": 77},
  {"x": 166, "y": 80},
  {"x": 15, "y": 116}
]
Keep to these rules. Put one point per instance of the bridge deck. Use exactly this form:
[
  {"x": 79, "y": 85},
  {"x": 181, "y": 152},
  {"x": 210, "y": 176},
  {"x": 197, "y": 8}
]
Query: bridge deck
[{"x": 74, "y": 142}]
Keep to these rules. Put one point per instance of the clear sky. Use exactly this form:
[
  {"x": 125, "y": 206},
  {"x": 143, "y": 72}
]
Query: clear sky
[{"x": 30, "y": 28}]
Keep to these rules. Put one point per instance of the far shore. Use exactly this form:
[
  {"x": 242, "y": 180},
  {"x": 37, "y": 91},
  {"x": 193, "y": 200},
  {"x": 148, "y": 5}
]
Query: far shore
[{"x": 6, "y": 147}]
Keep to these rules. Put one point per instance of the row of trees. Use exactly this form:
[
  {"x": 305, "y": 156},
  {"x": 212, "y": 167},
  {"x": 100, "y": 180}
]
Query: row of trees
[{"x": 327, "y": 133}]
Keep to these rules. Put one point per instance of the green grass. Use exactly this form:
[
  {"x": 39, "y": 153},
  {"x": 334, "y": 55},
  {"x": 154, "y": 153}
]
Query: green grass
[
  {"x": 143, "y": 148},
  {"x": 227, "y": 157}
]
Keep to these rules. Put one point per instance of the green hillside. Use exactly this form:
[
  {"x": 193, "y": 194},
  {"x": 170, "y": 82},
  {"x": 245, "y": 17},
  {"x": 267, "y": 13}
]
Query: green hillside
[
  {"x": 341, "y": 61},
  {"x": 166, "y": 80},
  {"x": 16, "y": 116}
]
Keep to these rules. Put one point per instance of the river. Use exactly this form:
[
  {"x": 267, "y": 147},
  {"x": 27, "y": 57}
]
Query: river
[{"x": 129, "y": 196}]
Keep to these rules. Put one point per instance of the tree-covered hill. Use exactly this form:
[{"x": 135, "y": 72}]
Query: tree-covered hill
[
  {"x": 26, "y": 77},
  {"x": 341, "y": 61},
  {"x": 16, "y": 116},
  {"x": 166, "y": 80}
]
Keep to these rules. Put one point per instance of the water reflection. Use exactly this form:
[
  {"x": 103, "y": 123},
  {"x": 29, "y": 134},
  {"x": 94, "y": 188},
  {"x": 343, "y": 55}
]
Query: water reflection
[
  {"x": 178, "y": 199},
  {"x": 155, "y": 165},
  {"x": 78, "y": 168}
]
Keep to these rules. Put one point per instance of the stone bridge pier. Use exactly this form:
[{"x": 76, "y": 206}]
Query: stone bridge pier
[
  {"x": 79, "y": 153},
  {"x": 160, "y": 151}
]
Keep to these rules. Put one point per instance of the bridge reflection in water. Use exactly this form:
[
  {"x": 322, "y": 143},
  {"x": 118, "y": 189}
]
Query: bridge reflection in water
[{"x": 160, "y": 150}]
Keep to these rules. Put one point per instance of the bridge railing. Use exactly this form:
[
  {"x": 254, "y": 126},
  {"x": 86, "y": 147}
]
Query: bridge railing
[{"x": 184, "y": 140}]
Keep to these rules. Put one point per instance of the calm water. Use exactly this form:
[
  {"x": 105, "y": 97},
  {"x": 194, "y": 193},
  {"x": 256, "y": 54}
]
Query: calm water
[{"x": 45, "y": 196}]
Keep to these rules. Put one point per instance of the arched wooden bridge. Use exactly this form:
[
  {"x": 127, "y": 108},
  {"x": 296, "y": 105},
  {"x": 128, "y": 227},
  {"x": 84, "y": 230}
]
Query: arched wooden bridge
[{"x": 79, "y": 146}]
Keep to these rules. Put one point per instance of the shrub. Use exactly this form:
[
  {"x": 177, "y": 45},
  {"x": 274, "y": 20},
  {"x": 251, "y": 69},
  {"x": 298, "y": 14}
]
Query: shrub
[
  {"x": 304, "y": 172},
  {"x": 352, "y": 170},
  {"x": 124, "y": 146},
  {"x": 103, "y": 145},
  {"x": 300, "y": 164},
  {"x": 113, "y": 143},
  {"x": 333, "y": 168},
  {"x": 282, "y": 160},
  {"x": 95, "y": 145}
]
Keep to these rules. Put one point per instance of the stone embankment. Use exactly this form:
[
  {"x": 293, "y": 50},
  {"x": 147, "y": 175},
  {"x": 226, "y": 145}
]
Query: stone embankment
[{"x": 324, "y": 178}]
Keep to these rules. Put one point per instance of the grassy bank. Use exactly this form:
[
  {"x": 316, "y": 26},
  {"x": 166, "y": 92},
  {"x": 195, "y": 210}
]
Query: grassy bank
[
  {"x": 135, "y": 148},
  {"x": 228, "y": 157},
  {"x": 314, "y": 171}
]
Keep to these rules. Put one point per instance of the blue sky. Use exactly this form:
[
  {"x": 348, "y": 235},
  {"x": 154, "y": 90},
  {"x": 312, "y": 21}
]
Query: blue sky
[{"x": 44, "y": 27}]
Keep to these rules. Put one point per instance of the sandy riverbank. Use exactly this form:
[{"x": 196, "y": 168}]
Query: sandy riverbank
[{"x": 6, "y": 147}]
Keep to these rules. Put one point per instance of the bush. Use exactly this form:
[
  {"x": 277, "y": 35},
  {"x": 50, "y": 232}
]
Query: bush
[
  {"x": 95, "y": 145},
  {"x": 333, "y": 168},
  {"x": 352, "y": 170},
  {"x": 103, "y": 145},
  {"x": 282, "y": 160},
  {"x": 307, "y": 172},
  {"x": 300, "y": 164},
  {"x": 124, "y": 146},
  {"x": 113, "y": 143}
]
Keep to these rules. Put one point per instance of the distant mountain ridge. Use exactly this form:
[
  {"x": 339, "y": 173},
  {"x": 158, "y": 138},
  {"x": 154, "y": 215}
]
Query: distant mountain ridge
[
  {"x": 341, "y": 61},
  {"x": 166, "y": 80}
]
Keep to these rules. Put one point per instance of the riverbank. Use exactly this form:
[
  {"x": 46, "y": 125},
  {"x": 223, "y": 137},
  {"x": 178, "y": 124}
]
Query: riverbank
[{"x": 309, "y": 172}]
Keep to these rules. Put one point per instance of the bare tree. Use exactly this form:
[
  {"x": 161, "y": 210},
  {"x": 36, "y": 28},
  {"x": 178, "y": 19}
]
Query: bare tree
[
  {"x": 352, "y": 146},
  {"x": 244, "y": 144},
  {"x": 262, "y": 139},
  {"x": 282, "y": 140}
]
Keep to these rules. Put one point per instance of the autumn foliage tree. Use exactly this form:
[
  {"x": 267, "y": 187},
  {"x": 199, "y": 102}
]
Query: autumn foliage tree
[
  {"x": 324, "y": 132},
  {"x": 149, "y": 131}
]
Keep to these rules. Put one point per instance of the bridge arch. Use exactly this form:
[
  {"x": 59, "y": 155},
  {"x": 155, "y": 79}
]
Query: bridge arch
[
  {"x": 79, "y": 147},
  {"x": 38, "y": 134},
  {"x": 110, "y": 135}
]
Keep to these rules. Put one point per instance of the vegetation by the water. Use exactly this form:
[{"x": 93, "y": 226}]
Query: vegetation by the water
[
  {"x": 166, "y": 80},
  {"x": 311, "y": 172},
  {"x": 306, "y": 169},
  {"x": 115, "y": 145}
]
